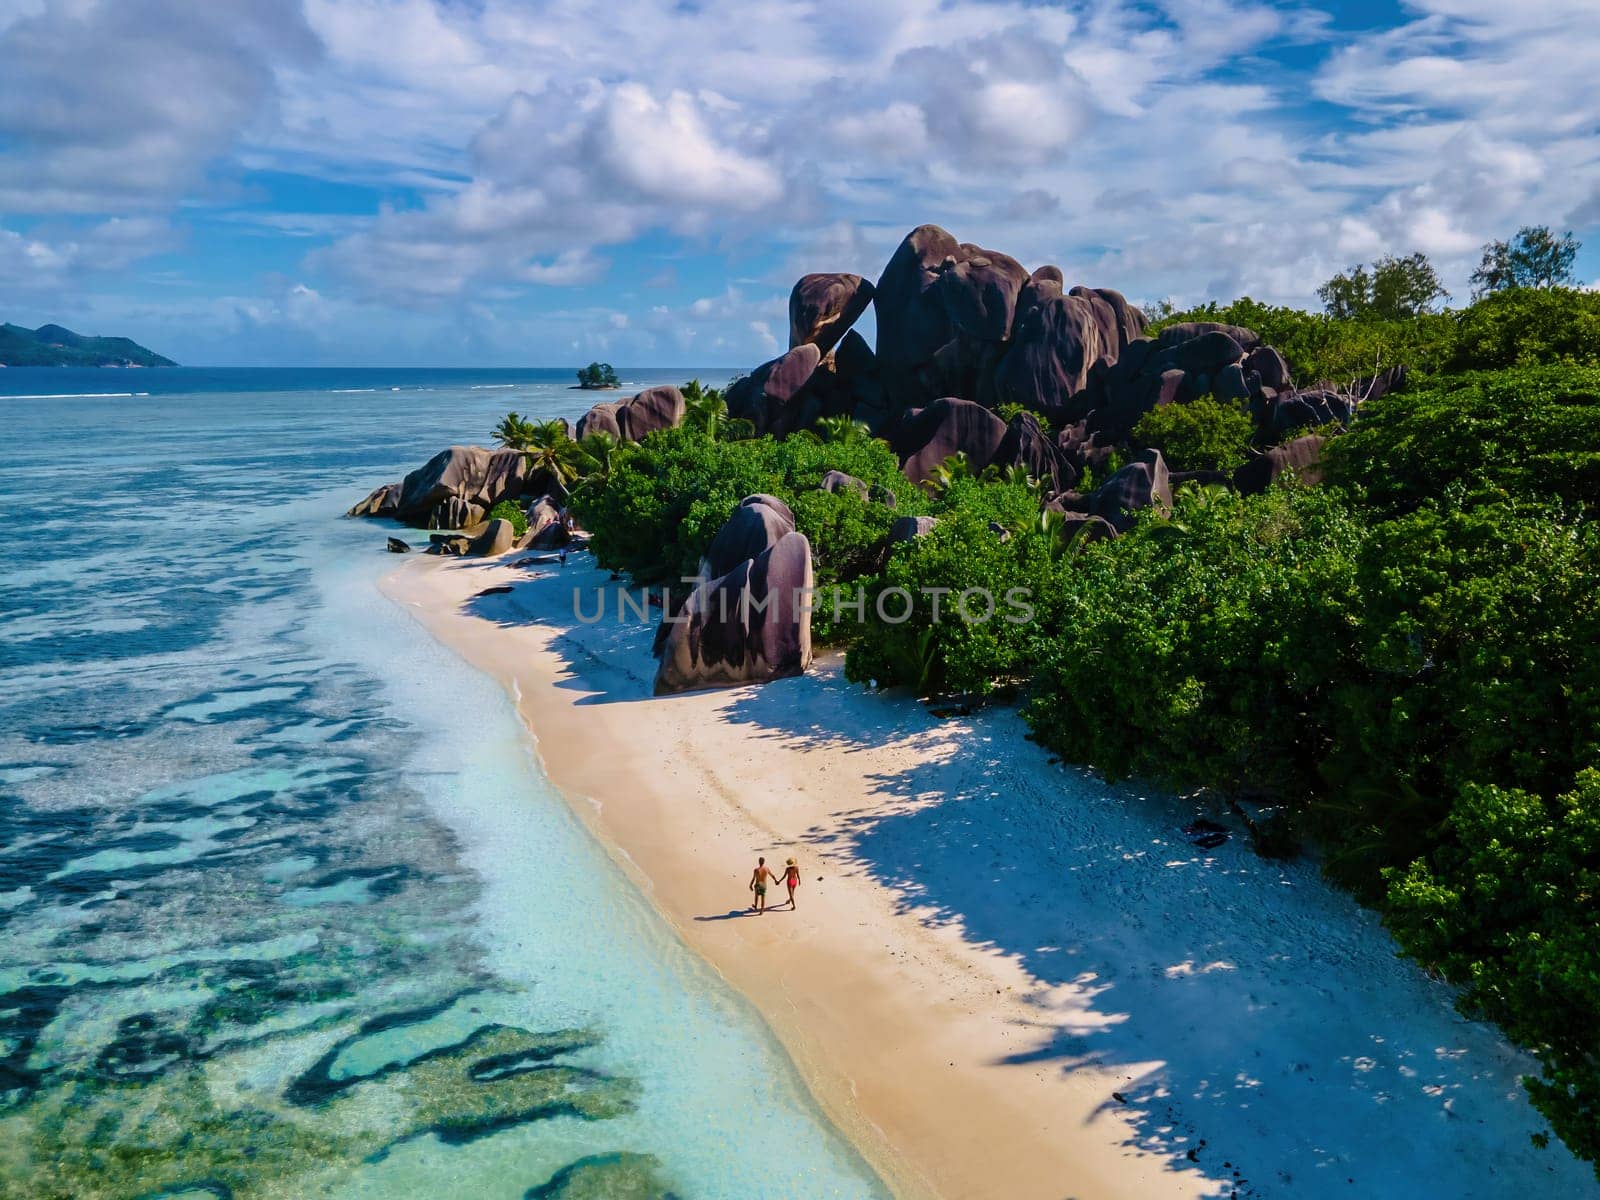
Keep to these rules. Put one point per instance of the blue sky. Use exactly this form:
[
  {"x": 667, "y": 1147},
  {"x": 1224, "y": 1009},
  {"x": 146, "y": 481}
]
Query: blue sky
[{"x": 499, "y": 182}]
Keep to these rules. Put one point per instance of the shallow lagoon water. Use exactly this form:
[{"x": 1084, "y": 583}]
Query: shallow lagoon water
[{"x": 286, "y": 908}]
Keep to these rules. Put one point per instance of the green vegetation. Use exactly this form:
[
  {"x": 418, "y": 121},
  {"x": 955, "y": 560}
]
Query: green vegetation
[
  {"x": 54, "y": 346},
  {"x": 1404, "y": 661},
  {"x": 1535, "y": 258},
  {"x": 510, "y": 510},
  {"x": 1395, "y": 289},
  {"x": 598, "y": 375},
  {"x": 1203, "y": 435},
  {"x": 665, "y": 499},
  {"x": 1520, "y": 327}
]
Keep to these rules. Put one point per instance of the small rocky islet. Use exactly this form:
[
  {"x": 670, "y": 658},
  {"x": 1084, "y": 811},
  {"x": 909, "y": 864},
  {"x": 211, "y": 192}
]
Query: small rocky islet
[{"x": 964, "y": 335}]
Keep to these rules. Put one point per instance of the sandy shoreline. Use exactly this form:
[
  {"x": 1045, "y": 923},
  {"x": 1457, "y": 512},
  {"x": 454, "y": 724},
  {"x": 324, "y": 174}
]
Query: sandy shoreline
[{"x": 1009, "y": 980}]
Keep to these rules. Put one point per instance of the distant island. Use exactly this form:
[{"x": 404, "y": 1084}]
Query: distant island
[
  {"x": 598, "y": 376},
  {"x": 56, "y": 346}
]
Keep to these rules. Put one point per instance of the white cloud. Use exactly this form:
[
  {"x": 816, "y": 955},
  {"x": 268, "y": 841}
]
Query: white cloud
[
  {"x": 118, "y": 105},
  {"x": 1163, "y": 148}
]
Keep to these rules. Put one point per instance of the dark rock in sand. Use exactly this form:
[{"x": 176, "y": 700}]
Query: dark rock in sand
[
  {"x": 772, "y": 396},
  {"x": 1302, "y": 457},
  {"x": 395, "y": 546},
  {"x": 948, "y": 426},
  {"x": 602, "y": 418},
  {"x": 753, "y": 529},
  {"x": 747, "y": 626},
  {"x": 1142, "y": 484},
  {"x": 450, "y": 544},
  {"x": 651, "y": 410},
  {"x": 546, "y": 528},
  {"x": 823, "y": 307},
  {"x": 499, "y": 536},
  {"x": 384, "y": 502},
  {"x": 455, "y": 513}
]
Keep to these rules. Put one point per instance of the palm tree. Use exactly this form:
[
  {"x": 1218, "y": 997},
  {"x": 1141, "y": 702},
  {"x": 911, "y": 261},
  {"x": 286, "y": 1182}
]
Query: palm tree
[
  {"x": 550, "y": 450},
  {"x": 948, "y": 472},
  {"x": 842, "y": 430},
  {"x": 595, "y": 455},
  {"x": 706, "y": 410},
  {"x": 514, "y": 432}
]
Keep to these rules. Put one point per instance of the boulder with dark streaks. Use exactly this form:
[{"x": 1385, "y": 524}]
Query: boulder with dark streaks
[
  {"x": 382, "y": 502},
  {"x": 1141, "y": 484},
  {"x": 470, "y": 473},
  {"x": 772, "y": 396},
  {"x": 754, "y": 528},
  {"x": 750, "y": 625},
  {"x": 651, "y": 410},
  {"x": 822, "y": 308},
  {"x": 602, "y": 418},
  {"x": 1028, "y": 446},
  {"x": 928, "y": 436}
]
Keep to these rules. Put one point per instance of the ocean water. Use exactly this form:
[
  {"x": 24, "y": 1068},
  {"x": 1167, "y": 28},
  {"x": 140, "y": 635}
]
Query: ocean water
[{"x": 286, "y": 908}]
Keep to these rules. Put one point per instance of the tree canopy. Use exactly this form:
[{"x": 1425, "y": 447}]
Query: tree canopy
[
  {"x": 1535, "y": 258},
  {"x": 1395, "y": 288}
]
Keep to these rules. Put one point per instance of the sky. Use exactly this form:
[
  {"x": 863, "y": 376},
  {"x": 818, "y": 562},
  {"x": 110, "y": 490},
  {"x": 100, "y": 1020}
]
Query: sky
[{"x": 511, "y": 183}]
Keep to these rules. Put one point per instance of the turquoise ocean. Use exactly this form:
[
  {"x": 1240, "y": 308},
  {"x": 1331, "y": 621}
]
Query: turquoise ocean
[{"x": 287, "y": 908}]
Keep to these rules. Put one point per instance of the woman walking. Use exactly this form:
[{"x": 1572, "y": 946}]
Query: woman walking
[{"x": 791, "y": 878}]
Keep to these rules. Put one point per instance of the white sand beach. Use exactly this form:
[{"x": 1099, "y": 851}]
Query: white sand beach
[{"x": 1004, "y": 978}]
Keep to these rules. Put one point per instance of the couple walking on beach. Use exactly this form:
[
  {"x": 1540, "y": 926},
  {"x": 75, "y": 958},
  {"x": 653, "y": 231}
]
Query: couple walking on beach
[{"x": 763, "y": 875}]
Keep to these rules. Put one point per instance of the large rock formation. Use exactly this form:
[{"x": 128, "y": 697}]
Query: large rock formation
[
  {"x": 1026, "y": 445},
  {"x": 381, "y": 502},
  {"x": 498, "y": 537},
  {"x": 547, "y": 530},
  {"x": 773, "y": 396},
  {"x": 1142, "y": 484},
  {"x": 749, "y": 625},
  {"x": 1303, "y": 457},
  {"x": 469, "y": 473},
  {"x": 822, "y": 308},
  {"x": 652, "y": 409},
  {"x": 912, "y": 321},
  {"x": 757, "y": 525},
  {"x": 948, "y": 426},
  {"x": 633, "y": 419},
  {"x": 455, "y": 513},
  {"x": 602, "y": 418}
]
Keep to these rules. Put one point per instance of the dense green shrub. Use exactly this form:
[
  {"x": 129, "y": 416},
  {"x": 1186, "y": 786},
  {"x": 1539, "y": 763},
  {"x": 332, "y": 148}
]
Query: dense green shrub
[
  {"x": 987, "y": 538},
  {"x": 1319, "y": 347},
  {"x": 1203, "y": 435},
  {"x": 1528, "y": 327},
  {"x": 1197, "y": 650},
  {"x": 1506, "y": 909},
  {"x": 510, "y": 510},
  {"x": 664, "y": 501},
  {"x": 1479, "y": 636},
  {"x": 1533, "y": 434}
]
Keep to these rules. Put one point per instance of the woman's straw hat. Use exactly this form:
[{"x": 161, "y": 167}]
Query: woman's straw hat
[{"x": 790, "y": 863}]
